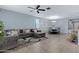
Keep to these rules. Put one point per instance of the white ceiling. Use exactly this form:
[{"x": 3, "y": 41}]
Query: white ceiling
[{"x": 62, "y": 11}]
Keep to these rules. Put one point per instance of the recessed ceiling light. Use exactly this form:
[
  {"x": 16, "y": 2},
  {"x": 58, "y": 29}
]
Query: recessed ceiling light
[{"x": 53, "y": 17}]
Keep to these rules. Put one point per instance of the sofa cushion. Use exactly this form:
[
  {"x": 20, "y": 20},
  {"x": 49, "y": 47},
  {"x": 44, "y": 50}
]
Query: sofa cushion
[
  {"x": 27, "y": 31},
  {"x": 35, "y": 30},
  {"x": 14, "y": 33}
]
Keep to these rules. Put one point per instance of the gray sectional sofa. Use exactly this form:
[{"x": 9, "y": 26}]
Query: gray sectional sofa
[{"x": 10, "y": 40}]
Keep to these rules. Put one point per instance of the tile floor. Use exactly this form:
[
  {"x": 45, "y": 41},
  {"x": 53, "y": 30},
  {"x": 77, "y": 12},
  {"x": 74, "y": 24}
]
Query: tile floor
[{"x": 54, "y": 44}]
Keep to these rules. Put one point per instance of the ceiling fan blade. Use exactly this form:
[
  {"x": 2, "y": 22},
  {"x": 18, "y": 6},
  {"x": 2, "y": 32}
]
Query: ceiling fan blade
[
  {"x": 41, "y": 9},
  {"x": 37, "y": 6},
  {"x": 38, "y": 12},
  {"x": 31, "y": 8}
]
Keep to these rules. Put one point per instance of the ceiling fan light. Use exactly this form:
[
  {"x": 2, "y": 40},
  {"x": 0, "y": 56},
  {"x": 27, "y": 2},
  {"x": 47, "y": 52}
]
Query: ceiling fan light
[{"x": 53, "y": 21}]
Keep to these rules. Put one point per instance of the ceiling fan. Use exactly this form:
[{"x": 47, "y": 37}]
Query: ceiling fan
[{"x": 38, "y": 9}]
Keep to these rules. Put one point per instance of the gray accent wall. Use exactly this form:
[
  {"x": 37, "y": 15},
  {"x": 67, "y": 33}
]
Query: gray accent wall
[{"x": 14, "y": 20}]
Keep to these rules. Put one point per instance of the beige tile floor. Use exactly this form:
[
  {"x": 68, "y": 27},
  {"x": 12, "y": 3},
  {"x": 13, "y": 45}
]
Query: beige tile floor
[{"x": 54, "y": 44}]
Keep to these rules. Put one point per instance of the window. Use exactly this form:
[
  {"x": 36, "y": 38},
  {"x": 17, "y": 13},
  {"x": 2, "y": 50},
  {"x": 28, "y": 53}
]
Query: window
[{"x": 37, "y": 23}]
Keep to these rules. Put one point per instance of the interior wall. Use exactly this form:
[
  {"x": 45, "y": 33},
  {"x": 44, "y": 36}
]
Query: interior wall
[
  {"x": 43, "y": 25},
  {"x": 62, "y": 23},
  {"x": 14, "y": 20}
]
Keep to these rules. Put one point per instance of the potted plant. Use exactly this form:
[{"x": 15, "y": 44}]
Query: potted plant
[
  {"x": 1, "y": 30},
  {"x": 74, "y": 37}
]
